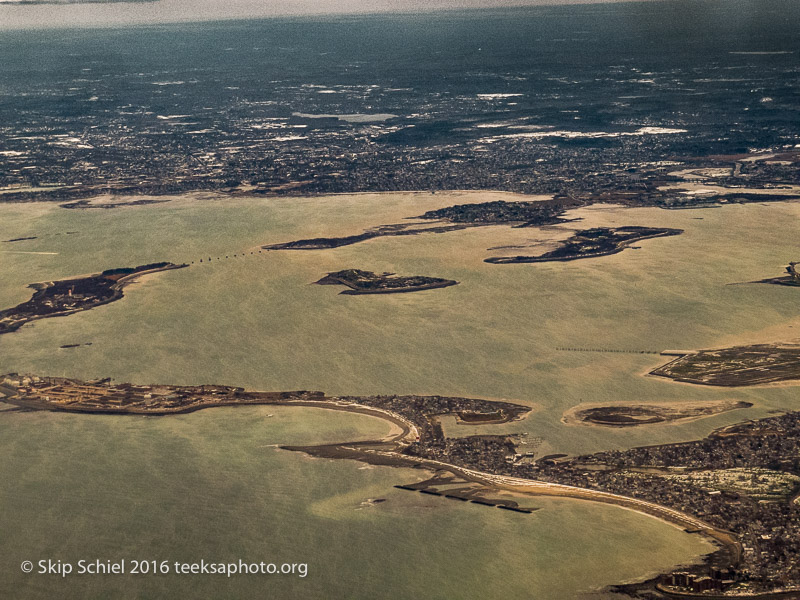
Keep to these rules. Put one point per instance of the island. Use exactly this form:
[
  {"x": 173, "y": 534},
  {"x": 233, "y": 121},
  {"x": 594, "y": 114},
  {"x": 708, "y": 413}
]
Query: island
[
  {"x": 324, "y": 243},
  {"x": 646, "y": 413},
  {"x": 591, "y": 243},
  {"x": 68, "y": 296},
  {"x": 737, "y": 486},
  {"x": 737, "y": 366},
  {"x": 367, "y": 282},
  {"x": 586, "y": 243},
  {"x": 111, "y": 203}
]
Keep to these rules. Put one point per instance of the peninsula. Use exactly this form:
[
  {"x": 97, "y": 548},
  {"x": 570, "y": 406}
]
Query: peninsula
[
  {"x": 736, "y": 486},
  {"x": 68, "y": 296}
]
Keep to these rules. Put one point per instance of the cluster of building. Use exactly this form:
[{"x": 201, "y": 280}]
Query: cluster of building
[
  {"x": 423, "y": 411},
  {"x": 72, "y": 295},
  {"x": 64, "y": 161},
  {"x": 253, "y": 149},
  {"x": 60, "y": 297},
  {"x": 717, "y": 581},
  {"x": 768, "y": 530}
]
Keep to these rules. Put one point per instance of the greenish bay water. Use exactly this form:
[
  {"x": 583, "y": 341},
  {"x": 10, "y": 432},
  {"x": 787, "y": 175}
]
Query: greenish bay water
[{"x": 211, "y": 484}]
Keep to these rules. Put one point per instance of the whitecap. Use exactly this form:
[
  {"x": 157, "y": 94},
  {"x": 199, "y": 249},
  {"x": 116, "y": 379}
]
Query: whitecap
[{"x": 497, "y": 96}]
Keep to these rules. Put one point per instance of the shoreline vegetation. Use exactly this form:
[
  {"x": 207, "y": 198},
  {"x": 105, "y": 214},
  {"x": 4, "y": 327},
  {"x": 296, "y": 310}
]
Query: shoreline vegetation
[
  {"x": 366, "y": 282},
  {"x": 670, "y": 482},
  {"x": 68, "y": 296}
]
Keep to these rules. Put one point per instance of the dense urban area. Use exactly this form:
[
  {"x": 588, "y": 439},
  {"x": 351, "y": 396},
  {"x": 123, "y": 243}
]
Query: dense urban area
[
  {"x": 66, "y": 159},
  {"x": 743, "y": 479}
]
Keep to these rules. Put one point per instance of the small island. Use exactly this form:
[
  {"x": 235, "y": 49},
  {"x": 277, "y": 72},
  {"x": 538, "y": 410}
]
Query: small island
[
  {"x": 646, "y": 413},
  {"x": 591, "y": 243},
  {"x": 68, "y": 296},
  {"x": 737, "y": 366},
  {"x": 19, "y": 239},
  {"x": 367, "y": 282}
]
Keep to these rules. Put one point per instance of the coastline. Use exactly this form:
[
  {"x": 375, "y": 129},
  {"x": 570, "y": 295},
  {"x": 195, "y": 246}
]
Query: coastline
[
  {"x": 536, "y": 492},
  {"x": 387, "y": 452},
  {"x": 406, "y": 428}
]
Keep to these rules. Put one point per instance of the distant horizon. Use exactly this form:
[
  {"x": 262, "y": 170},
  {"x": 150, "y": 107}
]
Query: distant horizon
[{"x": 66, "y": 14}]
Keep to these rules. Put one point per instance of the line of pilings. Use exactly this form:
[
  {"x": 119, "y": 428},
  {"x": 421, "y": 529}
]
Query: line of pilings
[
  {"x": 608, "y": 350},
  {"x": 226, "y": 257}
]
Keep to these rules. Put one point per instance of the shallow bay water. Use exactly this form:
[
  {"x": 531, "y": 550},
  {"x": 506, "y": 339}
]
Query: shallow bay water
[
  {"x": 187, "y": 487},
  {"x": 211, "y": 486}
]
